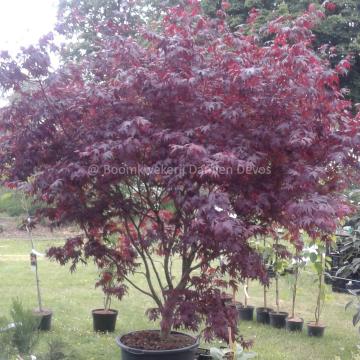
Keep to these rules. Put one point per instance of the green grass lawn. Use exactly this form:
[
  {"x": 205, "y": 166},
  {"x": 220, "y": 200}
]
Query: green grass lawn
[{"x": 72, "y": 296}]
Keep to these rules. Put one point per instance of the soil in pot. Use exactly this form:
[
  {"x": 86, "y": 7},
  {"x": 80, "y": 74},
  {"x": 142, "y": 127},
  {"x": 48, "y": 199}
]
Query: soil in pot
[
  {"x": 316, "y": 330},
  {"x": 104, "y": 320},
  {"x": 263, "y": 315},
  {"x": 246, "y": 313},
  {"x": 45, "y": 317},
  {"x": 278, "y": 319},
  {"x": 147, "y": 344},
  {"x": 294, "y": 324}
]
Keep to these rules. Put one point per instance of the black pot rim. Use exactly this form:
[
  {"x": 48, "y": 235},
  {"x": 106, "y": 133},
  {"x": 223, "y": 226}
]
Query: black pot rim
[
  {"x": 279, "y": 314},
  {"x": 312, "y": 325},
  {"x": 264, "y": 309},
  {"x": 110, "y": 312},
  {"x": 45, "y": 312},
  {"x": 241, "y": 307},
  {"x": 154, "y": 352},
  {"x": 296, "y": 322}
]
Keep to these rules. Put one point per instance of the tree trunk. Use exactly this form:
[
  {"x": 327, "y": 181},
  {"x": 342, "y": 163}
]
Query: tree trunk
[
  {"x": 318, "y": 304},
  {"x": 38, "y": 288},
  {"x": 265, "y": 291},
  {"x": 28, "y": 228},
  {"x": 167, "y": 320},
  {"x": 296, "y": 276},
  {"x": 277, "y": 293},
  {"x": 277, "y": 277},
  {"x": 265, "y": 298},
  {"x": 165, "y": 330},
  {"x": 246, "y": 293}
]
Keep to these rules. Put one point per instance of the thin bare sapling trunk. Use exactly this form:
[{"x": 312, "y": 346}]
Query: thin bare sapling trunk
[
  {"x": 320, "y": 290},
  {"x": 37, "y": 278},
  {"x": 296, "y": 277},
  {"x": 264, "y": 287},
  {"x": 246, "y": 287},
  {"x": 277, "y": 276}
]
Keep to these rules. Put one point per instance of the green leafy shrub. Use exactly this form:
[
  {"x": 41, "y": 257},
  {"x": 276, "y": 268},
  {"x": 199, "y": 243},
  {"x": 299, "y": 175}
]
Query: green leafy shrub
[{"x": 20, "y": 335}]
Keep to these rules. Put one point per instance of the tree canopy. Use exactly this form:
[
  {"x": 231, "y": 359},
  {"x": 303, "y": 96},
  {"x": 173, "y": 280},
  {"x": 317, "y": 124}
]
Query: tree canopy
[{"x": 182, "y": 145}]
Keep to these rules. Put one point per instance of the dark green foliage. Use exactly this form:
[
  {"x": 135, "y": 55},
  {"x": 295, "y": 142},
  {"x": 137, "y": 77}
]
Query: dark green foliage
[
  {"x": 23, "y": 336},
  {"x": 355, "y": 303},
  {"x": 6, "y": 346}
]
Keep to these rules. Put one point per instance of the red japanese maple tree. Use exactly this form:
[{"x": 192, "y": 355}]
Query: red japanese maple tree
[{"x": 176, "y": 149}]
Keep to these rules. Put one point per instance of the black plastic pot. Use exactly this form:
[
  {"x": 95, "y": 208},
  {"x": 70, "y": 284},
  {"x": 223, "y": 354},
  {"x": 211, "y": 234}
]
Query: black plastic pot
[
  {"x": 187, "y": 353},
  {"x": 104, "y": 321},
  {"x": 315, "y": 330},
  {"x": 294, "y": 324},
  {"x": 263, "y": 315},
  {"x": 45, "y": 317},
  {"x": 246, "y": 313},
  {"x": 278, "y": 319}
]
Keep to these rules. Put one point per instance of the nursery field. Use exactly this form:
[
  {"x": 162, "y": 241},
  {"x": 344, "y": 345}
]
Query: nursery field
[{"x": 72, "y": 296}]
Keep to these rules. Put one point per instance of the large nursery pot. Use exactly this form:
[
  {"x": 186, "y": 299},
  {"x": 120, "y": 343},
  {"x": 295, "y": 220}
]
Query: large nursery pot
[
  {"x": 104, "y": 320},
  {"x": 45, "y": 317},
  {"x": 135, "y": 353},
  {"x": 278, "y": 319},
  {"x": 263, "y": 315},
  {"x": 294, "y": 324},
  {"x": 246, "y": 312},
  {"x": 316, "y": 330}
]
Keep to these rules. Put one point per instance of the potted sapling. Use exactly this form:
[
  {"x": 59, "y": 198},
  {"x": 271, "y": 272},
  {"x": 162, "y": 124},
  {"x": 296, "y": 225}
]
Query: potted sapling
[
  {"x": 45, "y": 315},
  {"x": 246, "y": 311},
  {"x": 263, "y": 313},
  {"x": 320, "y": 263},
  {"x": 293, "y": 322},
  {"x": 104, "y": 320},
  {"x": 278, "y": 318}
]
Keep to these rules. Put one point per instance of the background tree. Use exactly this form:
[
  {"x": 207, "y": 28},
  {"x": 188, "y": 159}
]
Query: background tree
[
  {"x": 182, "y": 146},
  {"x": 79, "y": 20},
  {"x": 339, "y": 30}
]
